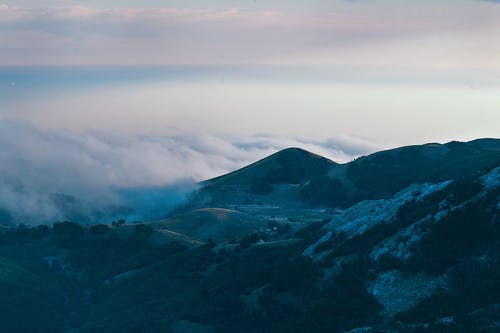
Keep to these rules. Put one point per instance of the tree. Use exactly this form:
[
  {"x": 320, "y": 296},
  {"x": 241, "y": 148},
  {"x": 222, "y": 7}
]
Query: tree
[{"x": 68, "y": 234}]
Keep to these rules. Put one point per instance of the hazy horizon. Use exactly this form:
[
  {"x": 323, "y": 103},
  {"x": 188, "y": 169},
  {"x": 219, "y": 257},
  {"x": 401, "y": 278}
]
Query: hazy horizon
[
  {"x": 387, "y": 72},
  {"x": 384, "y": 106}
]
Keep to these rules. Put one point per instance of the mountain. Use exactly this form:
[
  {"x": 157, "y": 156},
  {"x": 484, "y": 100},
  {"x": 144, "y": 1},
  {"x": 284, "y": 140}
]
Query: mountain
[
  {"x": 297, "y": 178},
  {"x": 288, "y": 166},
  {"x": 276, "y": 178},
  {"x": 404, "y": 240}
]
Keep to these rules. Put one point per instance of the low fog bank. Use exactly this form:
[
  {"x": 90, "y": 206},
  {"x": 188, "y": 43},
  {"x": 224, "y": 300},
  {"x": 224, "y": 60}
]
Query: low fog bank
[{"x": 53, "y": 175}]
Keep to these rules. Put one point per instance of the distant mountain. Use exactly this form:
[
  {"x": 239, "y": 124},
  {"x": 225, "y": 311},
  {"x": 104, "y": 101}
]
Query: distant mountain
[
  {"x": 295, "y": 177},
  {"x": 288, "y": 166},
  {"x": 404, "y": 240},
  {"x": 275, "y": 179}
]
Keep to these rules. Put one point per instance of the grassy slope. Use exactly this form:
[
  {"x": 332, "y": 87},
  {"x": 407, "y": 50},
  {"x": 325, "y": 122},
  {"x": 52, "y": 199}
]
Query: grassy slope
[{"x": 211, "y": 223}]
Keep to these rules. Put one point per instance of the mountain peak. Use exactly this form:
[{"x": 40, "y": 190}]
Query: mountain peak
[
  {"x": 303, "y": 177},
  {"x": 294, "y": 153},
  {"x": 293, "y": 160}
]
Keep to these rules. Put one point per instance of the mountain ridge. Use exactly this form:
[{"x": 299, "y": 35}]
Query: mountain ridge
[{"x": 324, "y": 183}]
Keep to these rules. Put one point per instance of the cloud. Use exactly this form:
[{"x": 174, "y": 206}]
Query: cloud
[
  {"x": 126, "y": 14},
  {"x": 319, "y": 33},
  {"x": 51, "y": 175}
]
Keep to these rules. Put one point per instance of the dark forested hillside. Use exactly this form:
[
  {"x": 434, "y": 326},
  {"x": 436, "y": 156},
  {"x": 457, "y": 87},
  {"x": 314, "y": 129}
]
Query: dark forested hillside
[
  {"x": 321, "y": 182},
  {"x": 405, "y": 240}
]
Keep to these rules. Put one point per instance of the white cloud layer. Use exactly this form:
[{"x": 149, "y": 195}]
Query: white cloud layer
[{"x": 50, "y": 175}]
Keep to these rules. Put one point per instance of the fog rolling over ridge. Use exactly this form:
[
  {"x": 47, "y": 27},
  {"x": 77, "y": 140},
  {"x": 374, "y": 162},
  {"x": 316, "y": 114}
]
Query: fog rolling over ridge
[{"x": 54, "y": 175}]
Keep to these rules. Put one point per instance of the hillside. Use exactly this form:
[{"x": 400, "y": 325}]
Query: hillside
[
  {"x": 275, "y": 179},
  {"x": 216, "y": 224},
  {"x": 297, "y": 178},
  {"x": 404, "y": 240},
  {"x": 289, "y": 166}
]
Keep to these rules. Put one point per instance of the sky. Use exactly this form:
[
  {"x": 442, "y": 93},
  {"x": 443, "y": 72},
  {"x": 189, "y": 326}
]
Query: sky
[
  {"x": 388, "y": 71},
  {"x": 459, "y": 34},
  {"x": 146, "y": 93}
]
